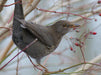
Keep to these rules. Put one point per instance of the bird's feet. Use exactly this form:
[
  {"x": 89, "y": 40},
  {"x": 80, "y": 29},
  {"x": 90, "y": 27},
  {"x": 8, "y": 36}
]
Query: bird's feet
[{"x": 46, "y": 70}]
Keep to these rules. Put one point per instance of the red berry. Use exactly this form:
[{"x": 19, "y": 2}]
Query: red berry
[
  {"x": 77, "y": 30},
  {"x": 77, "y": 39},
  {"x": 74, "y": 28},
  {"x": 82, "y": 43},
  {"x": 95, "y": 19},
  {"x": 99, "y": 14},
  {"x": 77, "y": 44},
  {"x": 71, "y": 37},
  {"x": 71, "y": 48},
  {"x": 93, "y": 33},
  {"x": 99, "y": 1}
]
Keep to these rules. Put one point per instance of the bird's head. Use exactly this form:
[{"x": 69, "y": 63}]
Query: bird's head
[{"x": 63, "y": 26}]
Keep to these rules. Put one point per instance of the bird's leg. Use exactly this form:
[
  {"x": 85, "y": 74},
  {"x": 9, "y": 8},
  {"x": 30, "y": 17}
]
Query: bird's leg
[
  {"x": 46, "y": 70},
  {"x": 33, "y": 63}
]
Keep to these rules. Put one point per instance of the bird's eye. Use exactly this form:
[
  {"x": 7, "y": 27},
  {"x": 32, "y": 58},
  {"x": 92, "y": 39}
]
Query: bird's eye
[{"x": 64, "y": 25}]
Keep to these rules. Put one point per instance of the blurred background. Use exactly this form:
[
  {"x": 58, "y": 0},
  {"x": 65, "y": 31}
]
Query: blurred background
[{"x": 79, "y": 45}]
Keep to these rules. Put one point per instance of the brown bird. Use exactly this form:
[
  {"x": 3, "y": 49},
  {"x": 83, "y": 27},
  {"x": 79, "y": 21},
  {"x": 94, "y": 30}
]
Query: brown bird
[{"x": 48, "y": 37}]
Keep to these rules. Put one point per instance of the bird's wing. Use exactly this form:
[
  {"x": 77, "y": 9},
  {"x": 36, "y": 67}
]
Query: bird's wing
[{"x": 41, "y": 32}]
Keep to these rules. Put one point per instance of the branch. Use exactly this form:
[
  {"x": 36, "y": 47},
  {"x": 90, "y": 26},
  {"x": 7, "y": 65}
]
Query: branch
[
  {"x": 1, "y": 4},
  {"x": 95, "y": 60}
]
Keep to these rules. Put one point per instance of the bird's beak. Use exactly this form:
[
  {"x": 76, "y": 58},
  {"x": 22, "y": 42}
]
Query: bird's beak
[{"x": 74, "y": 25}]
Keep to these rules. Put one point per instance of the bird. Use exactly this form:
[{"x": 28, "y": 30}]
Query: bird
[{"x": 48, "y": 37}]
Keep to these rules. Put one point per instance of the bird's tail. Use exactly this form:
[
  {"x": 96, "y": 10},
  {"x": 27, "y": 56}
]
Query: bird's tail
[{"x": 18, "y": 12}]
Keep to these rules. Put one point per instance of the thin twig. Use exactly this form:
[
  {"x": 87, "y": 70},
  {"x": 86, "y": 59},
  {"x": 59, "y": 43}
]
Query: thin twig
[
  {"x": 19, "y": 53},
  {"x": 1, "y": 4},
  {"x": 5, "y": 51}
]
